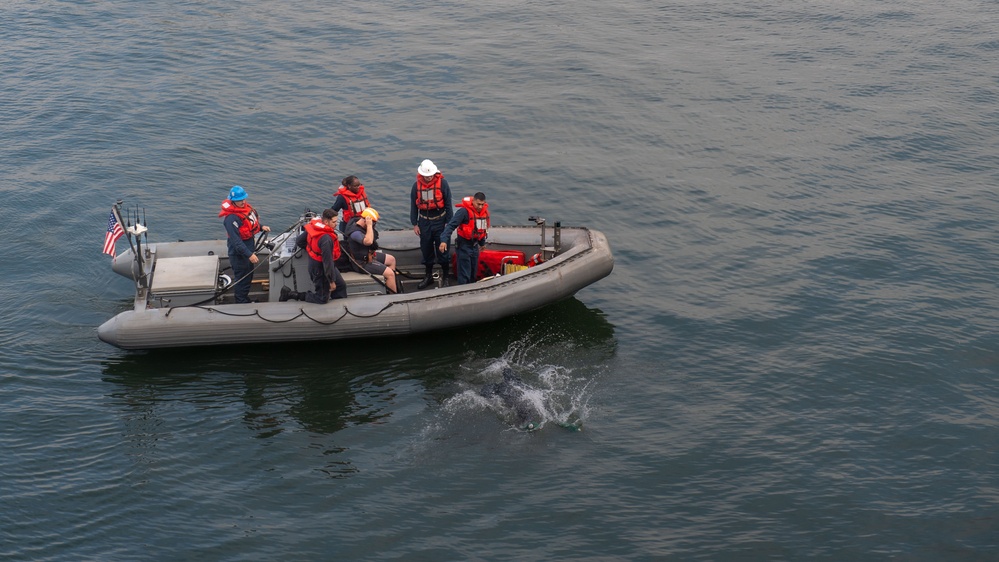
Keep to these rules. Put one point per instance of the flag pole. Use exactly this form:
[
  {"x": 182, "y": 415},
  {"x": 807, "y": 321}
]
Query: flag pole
[
  {"x": 116, "y": 209},
  {"x": 133, "y": 230}
]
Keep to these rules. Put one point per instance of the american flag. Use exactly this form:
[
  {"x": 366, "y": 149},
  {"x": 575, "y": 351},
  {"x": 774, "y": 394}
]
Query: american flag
[{"x": 114, "y": 233}]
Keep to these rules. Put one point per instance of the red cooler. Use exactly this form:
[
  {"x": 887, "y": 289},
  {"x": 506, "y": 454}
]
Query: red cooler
[{"x": 491, "y": 261}]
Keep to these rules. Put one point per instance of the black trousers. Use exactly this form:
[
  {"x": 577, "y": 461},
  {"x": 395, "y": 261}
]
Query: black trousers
[
  {"x": 322, "y": 293},
  {"x": 430, "y": 241}
]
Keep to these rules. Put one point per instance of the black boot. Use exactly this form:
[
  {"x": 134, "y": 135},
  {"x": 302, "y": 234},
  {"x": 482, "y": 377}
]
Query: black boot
[
  {"x": 428, "y": 280},
  {"x": 288, "y": 295},
  {"x": 444, "y": 272}
]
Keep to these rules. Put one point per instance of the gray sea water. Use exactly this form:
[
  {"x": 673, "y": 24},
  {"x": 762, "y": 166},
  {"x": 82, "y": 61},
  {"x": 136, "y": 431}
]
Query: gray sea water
[{"x": 796, "y": 356}]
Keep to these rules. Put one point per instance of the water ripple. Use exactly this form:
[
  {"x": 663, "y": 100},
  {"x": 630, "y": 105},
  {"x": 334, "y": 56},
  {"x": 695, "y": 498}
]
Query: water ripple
[{"x": 793, "y": 358}]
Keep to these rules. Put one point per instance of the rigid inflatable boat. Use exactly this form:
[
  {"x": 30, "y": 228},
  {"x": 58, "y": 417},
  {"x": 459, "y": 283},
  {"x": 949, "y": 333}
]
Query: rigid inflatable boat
[{"x": 183, "y": 290}]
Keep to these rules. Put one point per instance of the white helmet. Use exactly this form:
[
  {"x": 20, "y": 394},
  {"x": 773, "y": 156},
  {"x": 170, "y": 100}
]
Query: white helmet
[{"x": 427, "y": 168}]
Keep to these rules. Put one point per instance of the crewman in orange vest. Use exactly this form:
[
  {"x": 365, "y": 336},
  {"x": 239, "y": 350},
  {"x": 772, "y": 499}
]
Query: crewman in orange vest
[
  {"x": 471, "y": 223},
  {"x": 351, "y": 199},
  {"x": 321, "y": 243},
  {"x": 429, "y": 211},
  {"x": 241, "y": 224}
]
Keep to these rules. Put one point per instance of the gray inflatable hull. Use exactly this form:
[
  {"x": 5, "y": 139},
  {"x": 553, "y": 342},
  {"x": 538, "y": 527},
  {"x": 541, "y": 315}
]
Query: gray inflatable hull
[{"x": 584, "y": 257}]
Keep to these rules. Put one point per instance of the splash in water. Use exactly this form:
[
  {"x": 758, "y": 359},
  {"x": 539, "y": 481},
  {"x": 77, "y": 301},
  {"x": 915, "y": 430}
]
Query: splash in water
[{"x": 525, "y": 396}]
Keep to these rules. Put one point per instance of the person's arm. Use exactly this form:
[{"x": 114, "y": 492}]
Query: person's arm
[
  {"x": 446, "y": 194},
  {"x": 232, "y": 230},
  {"x": 326, "y": 248},
  {"x": 369, "y": 235},
  {"x": 460, "y": 216},
  {"x": 358, "y": 237},
  {"x": 414, "y": 213},
  {"x": 338, "y": 203}
]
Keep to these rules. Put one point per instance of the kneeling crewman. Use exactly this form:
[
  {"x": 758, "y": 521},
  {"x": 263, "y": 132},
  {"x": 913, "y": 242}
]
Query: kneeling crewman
[{"x": 321, "y": 244}]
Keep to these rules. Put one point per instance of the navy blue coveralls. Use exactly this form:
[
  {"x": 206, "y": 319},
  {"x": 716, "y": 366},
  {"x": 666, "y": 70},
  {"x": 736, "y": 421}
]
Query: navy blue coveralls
[
  {"x": 239, "y": 257},
  {"x": 467, "y": 251},
  {"x": 432, "y": 225}
]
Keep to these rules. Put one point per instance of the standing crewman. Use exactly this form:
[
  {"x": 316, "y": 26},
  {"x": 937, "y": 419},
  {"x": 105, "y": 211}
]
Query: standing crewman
[
  {"x": 471, "y": 222},
  {"x": 241, "y": 224},
  {"x": 351, "y": 199},
  {"x": 429, "y": 212},
  {"x": 321, "y": 243}
]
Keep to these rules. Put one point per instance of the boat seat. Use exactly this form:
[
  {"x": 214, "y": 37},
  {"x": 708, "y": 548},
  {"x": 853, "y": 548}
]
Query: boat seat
[{"x": 362, "y": 284}]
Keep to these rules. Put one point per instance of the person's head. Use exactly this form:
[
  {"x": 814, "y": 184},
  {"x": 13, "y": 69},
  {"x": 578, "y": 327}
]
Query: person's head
[
  {"x": 478, "y": 200},
  {"x": 427, "y": 169},
  {"x": 352, "y": 183},
  {"x": 370, "y": 214},
  {"x": 330, "y": 217},
  {"x": 237, "y": 195}
]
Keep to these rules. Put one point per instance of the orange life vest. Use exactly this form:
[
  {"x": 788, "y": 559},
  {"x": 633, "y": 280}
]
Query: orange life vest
[
  {"x": 315, "y": 231},
  {"x": 475, "y": 227},
  {"x": 356, "y": 202},
  {"x": 249, "y": 221},
  {"x": 429, "y": 196}
]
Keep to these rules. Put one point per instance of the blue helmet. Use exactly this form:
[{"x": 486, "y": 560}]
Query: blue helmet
[{"x": 237, "y": 193}]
